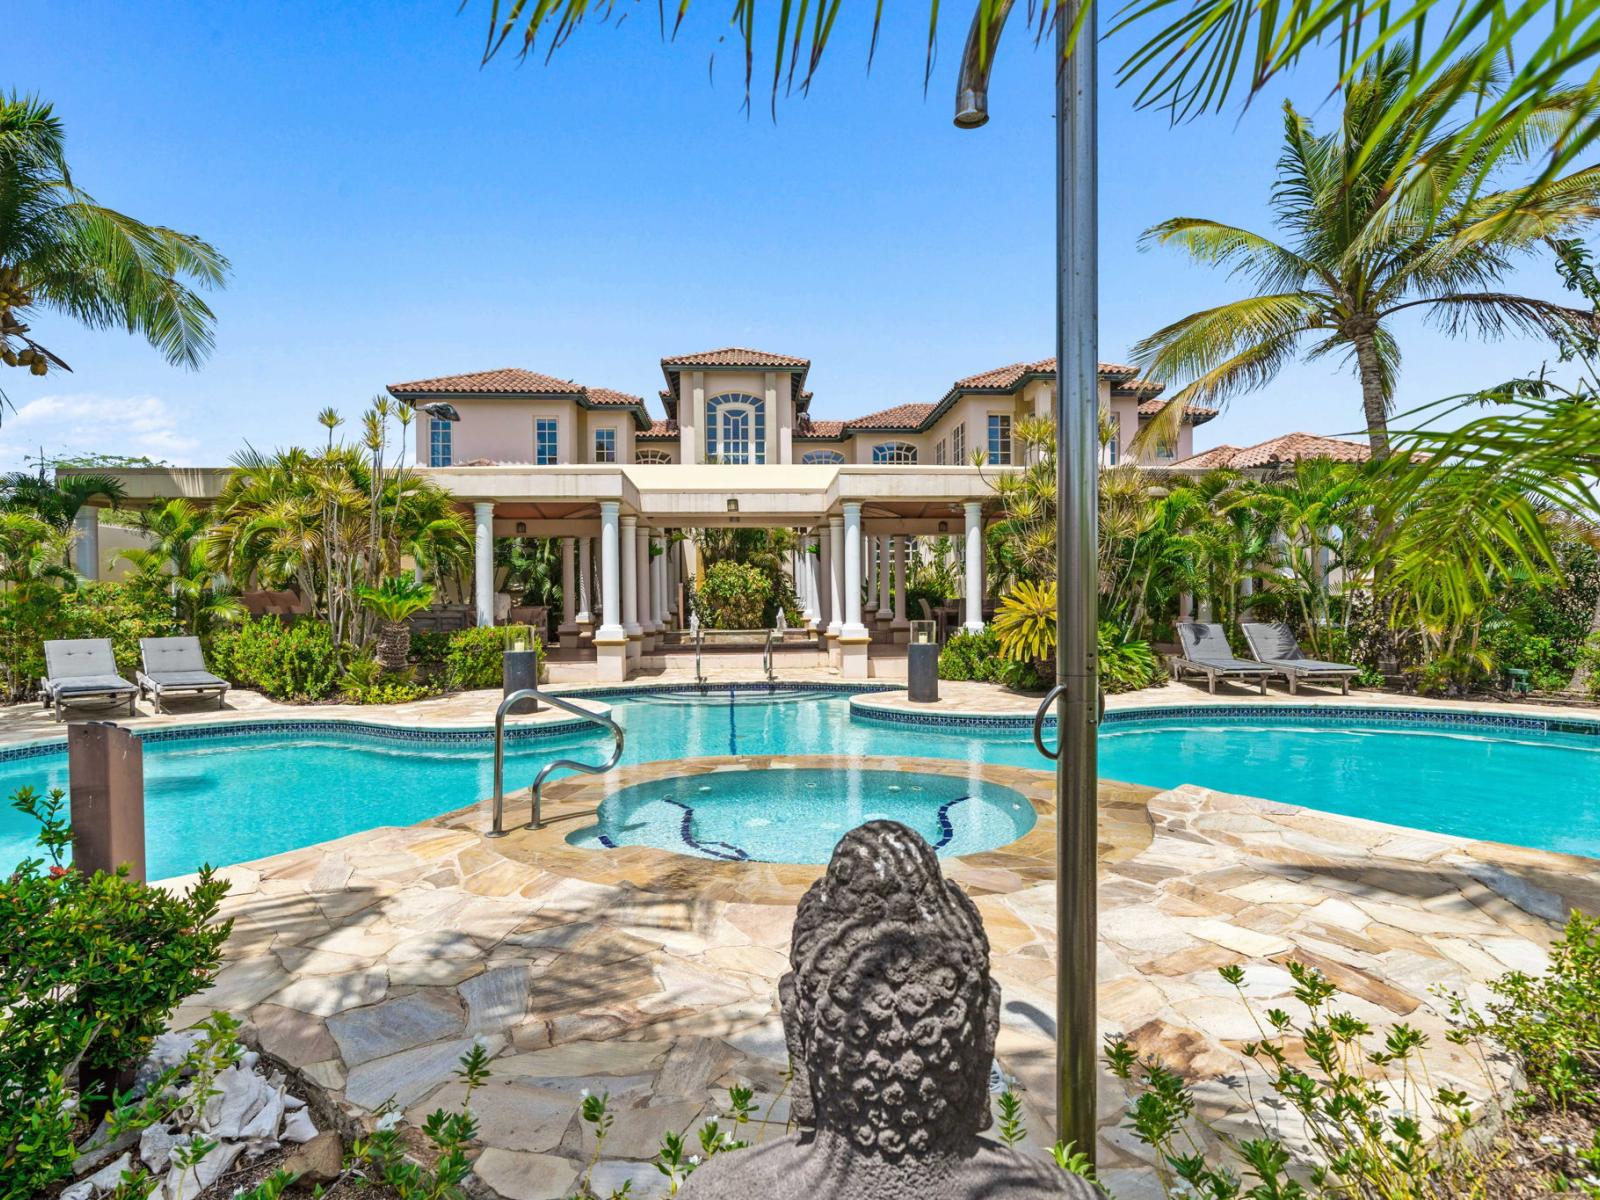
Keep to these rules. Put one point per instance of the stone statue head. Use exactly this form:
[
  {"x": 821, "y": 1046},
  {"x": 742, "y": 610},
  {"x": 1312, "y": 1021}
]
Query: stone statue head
[{"x": 889, "y": 1010}]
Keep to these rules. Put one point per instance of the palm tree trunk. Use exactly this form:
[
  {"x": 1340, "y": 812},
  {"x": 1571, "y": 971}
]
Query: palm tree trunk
[{"x": 1373, "y": 402}]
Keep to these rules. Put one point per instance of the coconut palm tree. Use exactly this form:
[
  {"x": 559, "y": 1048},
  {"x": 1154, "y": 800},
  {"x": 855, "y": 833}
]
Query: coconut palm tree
[
  {"x": 1358, "y": 247},
  {"x": 61, "y": 252},
  {"x": 395, "y": 601}
]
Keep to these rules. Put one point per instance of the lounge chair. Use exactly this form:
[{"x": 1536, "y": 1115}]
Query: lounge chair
[
  {"x": 1274, "y": 644},
  {"x": 82, "y": 670},
  {"x": 1206, "y": 652},
  {"x": 174, "y": 665}
]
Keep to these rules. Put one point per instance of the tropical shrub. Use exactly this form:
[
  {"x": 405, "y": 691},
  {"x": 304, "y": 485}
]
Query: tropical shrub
[
  {"x": 94, "y": 966},
  {"x": 123, "y": 612},
  {"x": 293, "y": 661},
  {"x": 1126, "y": 664},
  {"x": 971, "y": 656},
  {"x": 733, "y": 595},
  {"x": 394, "y": 602},
  {"x": 474, "y": 657},
  {"x": 428, "y": 648},
  {"x": 1025, "y": 622}
]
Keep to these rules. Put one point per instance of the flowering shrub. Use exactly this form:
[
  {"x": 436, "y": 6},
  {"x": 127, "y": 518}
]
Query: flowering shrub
[
  {"x": 296, "y": 661},
  {"x": 93, "y": 966}
]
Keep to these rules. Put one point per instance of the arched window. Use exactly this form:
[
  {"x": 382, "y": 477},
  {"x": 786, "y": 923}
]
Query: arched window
[
  {"x": 736, "y": 429},
  {"x": 652, "y": 457},
  {"x": 894, "y": 452},
  {"x": 821, "y": 458}
]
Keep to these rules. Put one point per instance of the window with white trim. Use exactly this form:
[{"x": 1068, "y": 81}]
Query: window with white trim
[
  {"x": 958, "y": 445},
  {"x": 546, "y": 441},
  {"x": 1000, "y": 439},
  {"x": 655, "y": 458},
  {"x": 1114, "y": 442},
  {"x": 736, "y": 429},
  {"x": 605, "y": 445},
  {"x": 901, "y": 453},
  {"x": 821, "y": 458},
  {"x": 938, "y": 453},
  {"x": 438, "y": 442}
]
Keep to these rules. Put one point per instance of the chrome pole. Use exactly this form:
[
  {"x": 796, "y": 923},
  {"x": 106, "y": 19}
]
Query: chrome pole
[
  {"x": 1077, "y": 576},
  {"x": 1076, "y": 695}
]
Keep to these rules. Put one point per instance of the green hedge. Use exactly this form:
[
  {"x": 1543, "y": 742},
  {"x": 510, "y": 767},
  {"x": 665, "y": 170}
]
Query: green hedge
[
  {"x": 296, "y": 661},
  {"x": 733, "y": 595},
  {"x": 473, "y": 657}
]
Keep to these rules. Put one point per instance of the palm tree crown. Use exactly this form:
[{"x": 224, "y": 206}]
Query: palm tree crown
[
  {"x": 1372, "y": 231},
  {"x": 62, "y": 252}
]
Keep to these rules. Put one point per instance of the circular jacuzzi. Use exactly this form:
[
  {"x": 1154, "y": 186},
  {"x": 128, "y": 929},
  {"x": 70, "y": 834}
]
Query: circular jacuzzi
[{"x": 796, "y": 815}]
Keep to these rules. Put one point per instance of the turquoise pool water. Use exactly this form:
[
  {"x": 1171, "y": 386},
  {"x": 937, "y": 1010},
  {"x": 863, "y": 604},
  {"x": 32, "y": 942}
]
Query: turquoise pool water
[
  {"x": 795, "y": 815},
  {"x": 238, "y": 796}
]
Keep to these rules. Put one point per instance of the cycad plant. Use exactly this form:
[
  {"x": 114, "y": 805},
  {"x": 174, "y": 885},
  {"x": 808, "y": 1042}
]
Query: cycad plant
[
  {"x": 1378, "y": 217},
  {"x": 394, "y": 602},
  {"x": 61, "y": 252}
]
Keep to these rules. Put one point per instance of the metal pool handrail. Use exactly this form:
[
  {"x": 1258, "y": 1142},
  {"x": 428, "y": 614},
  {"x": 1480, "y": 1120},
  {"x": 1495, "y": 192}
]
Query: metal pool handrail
[
  {"x": 699, "y": 641},
  {"x": 766, "y": 657},
  {"x": 537, "y": 790}
]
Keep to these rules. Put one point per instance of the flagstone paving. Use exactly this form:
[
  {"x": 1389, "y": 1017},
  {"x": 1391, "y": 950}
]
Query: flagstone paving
[{"x": 373, "y": 962}]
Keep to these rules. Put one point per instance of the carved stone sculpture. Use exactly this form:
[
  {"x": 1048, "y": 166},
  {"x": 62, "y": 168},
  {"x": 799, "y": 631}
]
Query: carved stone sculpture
[{"x": 890, "y": 1016}]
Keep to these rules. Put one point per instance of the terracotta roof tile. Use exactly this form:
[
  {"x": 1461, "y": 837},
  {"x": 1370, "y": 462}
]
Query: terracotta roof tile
[
  {"x": 1010, "y": 376},
  {"x": 735, "y": 356},
  {"x": 806, "y": 427},
  {"x": 504, "y": 381},
  {"x": 610, "y": 398},
  {"x": 1290, "y": 448},
  {"x": 901, "y": 416},
  {"x": 658, "y": 430},
  {"x": 1193, "y": 414}
]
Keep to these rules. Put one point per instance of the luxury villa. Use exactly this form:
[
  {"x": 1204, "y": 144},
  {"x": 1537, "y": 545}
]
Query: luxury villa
[{"x": 534, "y": 455}]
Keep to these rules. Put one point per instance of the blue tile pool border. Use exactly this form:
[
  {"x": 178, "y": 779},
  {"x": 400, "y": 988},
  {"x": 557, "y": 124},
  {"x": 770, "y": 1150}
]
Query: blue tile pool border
[{"x": 1201, "y": 714}]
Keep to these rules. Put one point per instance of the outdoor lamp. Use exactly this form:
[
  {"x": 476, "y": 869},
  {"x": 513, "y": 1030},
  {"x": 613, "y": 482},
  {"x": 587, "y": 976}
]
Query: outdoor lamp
[{"x": 441, "y": 410}]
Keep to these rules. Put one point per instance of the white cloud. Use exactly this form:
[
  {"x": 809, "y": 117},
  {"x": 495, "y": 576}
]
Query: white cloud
[{"x": 90, "y": 423}]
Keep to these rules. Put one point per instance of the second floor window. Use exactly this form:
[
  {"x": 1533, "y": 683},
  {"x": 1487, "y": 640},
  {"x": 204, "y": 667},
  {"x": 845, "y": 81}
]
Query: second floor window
[
  {"x": 894, "y": 452},
  {"x": 821, "y": 458},
  {"x": 958, "y": 445},
  {"x": 546, "y": 441},
  {"x": 605, "y": 445},
  {"x": 938, "y": 453},
  {"x": 736, "y": 429},
  {"x": 438, "y": 442},
  {"x": 1000, "y": 439},
  {"x": 1114, "y": 443}
]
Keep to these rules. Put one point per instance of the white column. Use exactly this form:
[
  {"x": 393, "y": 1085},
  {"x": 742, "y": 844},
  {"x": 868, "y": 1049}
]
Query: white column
[
  {"x": 585, "y": 579},
  {"x": 629, "y": 552},
  {"x": 483, "y": 562},
  {"x": 610, "y": 577},
  {"x": 885, "y": 612},
  {"x": 647, "y": 584},
  {"x": 852, "y": 627},
  {"x": 569, "y": 588},
  {"x": 974, "y": 581},
  {"x": 86, "y": 549},
  {"x": 900, "y": 620},
  {"x": 869, "y": 549},
  {"x": 836, "y": 602}
]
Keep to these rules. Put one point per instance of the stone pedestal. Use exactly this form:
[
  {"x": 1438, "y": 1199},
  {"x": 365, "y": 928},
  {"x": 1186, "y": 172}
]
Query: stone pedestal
[
  {"x": 922, "y": 673},
  {"x": 611, "y": 660},
  {"x": 853, "y": 657}
]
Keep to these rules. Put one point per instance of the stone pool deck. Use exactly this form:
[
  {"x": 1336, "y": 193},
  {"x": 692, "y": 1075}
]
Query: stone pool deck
[{"x": 372, "y": 962}]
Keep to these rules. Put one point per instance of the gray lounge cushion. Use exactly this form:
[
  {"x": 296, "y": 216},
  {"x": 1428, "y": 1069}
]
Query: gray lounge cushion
[
  {"x": 1274, "y": 642},
  {"x": 177, "y": 662},
  {"x": 1208, "y": 645},
  {"x": 90, "y": 685},
  {"x": 80, "y": 658}
]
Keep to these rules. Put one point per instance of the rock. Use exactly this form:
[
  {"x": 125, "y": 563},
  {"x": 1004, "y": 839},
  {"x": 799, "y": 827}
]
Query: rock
[
  {"x": 108, "y": 1176},
  {"x": 187, "y": 1185},
  {"x": 321, "y": 1160},
  {"x": 297, "y": 1126},
  {"x": 242, "y": 1094},
  {"x": 155, "y": 1144},
  {"x": 82, "y": 1190},
  {"x": 264, "y": 1125},
  {"x": 166, "y": 1052}
]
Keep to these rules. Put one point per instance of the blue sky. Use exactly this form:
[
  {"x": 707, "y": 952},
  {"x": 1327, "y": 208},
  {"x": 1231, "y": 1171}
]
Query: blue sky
[{"x": 392, "y": 211}]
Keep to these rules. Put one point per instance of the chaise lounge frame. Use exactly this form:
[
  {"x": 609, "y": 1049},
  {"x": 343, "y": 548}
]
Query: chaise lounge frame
[
  {"x": 82, "y": 670},
  {"x": 1198, "y": 659},
  {"x": 1274, "y": 643},
  {"x": 177, "y": 666}
]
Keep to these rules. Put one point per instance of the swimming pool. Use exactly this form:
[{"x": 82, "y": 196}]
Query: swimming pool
[
  {"x": 230, "y": 794},
  {"x": 796, "y": 814}
]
